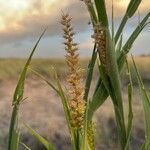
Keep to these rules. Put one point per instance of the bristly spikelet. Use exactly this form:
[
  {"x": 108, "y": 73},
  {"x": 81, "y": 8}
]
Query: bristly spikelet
[
  {"x": 74, "y": 78},
  {"x": 91, "y": 135},
  {"x": 100, "y": 40}
]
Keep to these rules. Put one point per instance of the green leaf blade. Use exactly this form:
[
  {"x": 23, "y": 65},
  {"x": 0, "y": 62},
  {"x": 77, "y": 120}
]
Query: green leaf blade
[
  {"x": 44, "y": 142},
  {"x": 13, "y": 139},
  {"x": 146, "y": 108},
  {"x": 101, "y": 11},
  {"x": 18, "y": 95},
  {"x": 90, "y": 73},
  {"x": 130, "y": 113},
  {"x": 132, "y": 7}
]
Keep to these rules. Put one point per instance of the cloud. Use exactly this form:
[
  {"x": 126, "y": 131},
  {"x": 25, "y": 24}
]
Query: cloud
[
  {"x": 120, "y": 7},
  {"x": 21, "y": 20},
  {"x": 31, "y": 20}
]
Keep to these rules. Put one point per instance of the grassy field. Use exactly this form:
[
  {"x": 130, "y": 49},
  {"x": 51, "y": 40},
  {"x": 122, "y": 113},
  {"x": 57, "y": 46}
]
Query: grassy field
[
  {"x": 11, "y": 68},
  {"x": 48, "y": 117}
]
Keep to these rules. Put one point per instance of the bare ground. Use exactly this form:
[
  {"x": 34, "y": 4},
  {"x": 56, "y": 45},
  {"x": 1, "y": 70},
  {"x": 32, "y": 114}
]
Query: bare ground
[{"x": 43, "y": 111}]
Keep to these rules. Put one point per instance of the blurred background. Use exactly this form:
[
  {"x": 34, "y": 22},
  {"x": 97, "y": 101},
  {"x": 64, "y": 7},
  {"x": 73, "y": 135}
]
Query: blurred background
[{"x": 21, "y": 23}]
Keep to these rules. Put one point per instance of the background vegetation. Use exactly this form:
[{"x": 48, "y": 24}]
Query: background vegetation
[{"x": 48, "y": 115}]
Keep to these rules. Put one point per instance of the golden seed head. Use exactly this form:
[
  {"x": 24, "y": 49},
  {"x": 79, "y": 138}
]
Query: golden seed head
[
  {"x": 91, "y": 135},
  {"x": 74, "y": 78},
  {"x": 100, "y": 40}
]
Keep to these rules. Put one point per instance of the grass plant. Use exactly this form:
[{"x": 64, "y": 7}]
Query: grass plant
[{"x": 111, "y": 54}]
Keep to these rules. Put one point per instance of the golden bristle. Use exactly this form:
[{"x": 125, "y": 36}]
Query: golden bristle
[
  {"x": 91, "y": 135},
  {"x": 74, "y": 78},
  {"x": 100, "y": 40}
]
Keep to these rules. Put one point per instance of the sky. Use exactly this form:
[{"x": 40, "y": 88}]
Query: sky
[{"x": 22, "y": 22}]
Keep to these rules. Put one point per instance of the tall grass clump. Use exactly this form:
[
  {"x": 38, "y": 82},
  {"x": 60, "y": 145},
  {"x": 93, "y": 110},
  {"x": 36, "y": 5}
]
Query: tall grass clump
[{"x": 110, "y": 52}]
